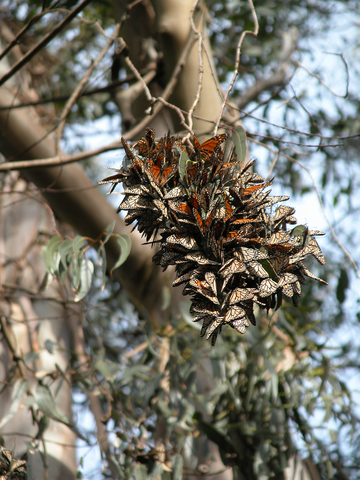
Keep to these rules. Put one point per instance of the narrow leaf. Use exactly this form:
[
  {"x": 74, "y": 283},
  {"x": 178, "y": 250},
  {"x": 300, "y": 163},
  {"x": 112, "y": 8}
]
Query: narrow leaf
[
  {"x": 125, "y": 247},
  {"x": 19, "y": 390},
  {"x": 109, "y": 230},
  {"x": 47, "y": 405},
  {"x": 239, "y": 140},
  {"x": 86, "y": 274},
  {"x": 78, "y": 243},
  {"x": 184, "y": 158},
  {"x": 65, "y": 249}
]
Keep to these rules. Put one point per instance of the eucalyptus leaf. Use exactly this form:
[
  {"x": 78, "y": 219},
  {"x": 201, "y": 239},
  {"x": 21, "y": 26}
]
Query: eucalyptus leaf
[
  {"x": 19, "y": 390},
  {"x": 52, "y": 257},
  {"x": 78, "y": 244},
  {"x": 184, "y": 159},
  {"x": 86, "y": 274},
  {"x": 125, "y": 247},
  {"x": 103, "y": 264},
  {"x": 177, "y": 465},
  {"x": 47, "y": 405},
  {"x": 109, "y": 230},
  {"x": 239, "y": 140}
]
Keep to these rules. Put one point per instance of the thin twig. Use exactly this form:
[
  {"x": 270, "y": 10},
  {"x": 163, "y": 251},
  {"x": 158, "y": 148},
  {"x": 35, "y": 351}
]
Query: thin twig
[
  {"x": 64, "y": 159},
  {"x": 333, "y": 234},
  {"x": 178, "y": 111},
  {"x": 201, "y": 69},
  {"x": 40, "y": 45},
  {"x": 19, "y": 35},
  {"x": 300, "y": 65},
  {"x": 237, "y": 62},
  {"x": 80, "y": 86},
  {"x": 140, "y": 78},
  {"x": 95, "y": 406}
]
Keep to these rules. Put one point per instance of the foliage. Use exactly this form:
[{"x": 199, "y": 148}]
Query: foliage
[{"x": 66, "y": 259}]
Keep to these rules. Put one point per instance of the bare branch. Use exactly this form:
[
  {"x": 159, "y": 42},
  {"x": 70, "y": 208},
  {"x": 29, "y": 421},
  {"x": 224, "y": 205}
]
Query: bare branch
[
  {"x": 80, "y": 86},
  {"x": 95, "y": 406},
  {"x": 64, "y": 159},
  {"x": 40, "y": 45},
  {"x": 323, "y": 83},
  {"x": 201, "y": 69},
  {"x": 279, "y": 77},
  {"x": 237, "y": 62},
  {"x": 333, "y": 234},
  {"x": 15, "y": 41}
]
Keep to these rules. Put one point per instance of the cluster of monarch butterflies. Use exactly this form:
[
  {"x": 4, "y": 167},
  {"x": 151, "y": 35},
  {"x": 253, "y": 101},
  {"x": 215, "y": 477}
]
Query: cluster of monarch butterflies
[{"x": 218, "y": 225}]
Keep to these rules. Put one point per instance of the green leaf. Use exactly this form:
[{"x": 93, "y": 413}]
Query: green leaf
[
  {"x": 125, "y": 247},
  {"x": 186, "y": 315},
  {"x": 155, "y": 472},
  {"x": 19, "y": 390},
  {"x": 78, "y": 243},
  {"x": 66, "y": 250},
  {"x": 51, "y": 254},
  {"x": 140, "y": 472},
  {"x": 86, "y": 274},
  {"x": 177, "y": 465},
  {"x": 109, "y": 230},
  {"x": 184, "y": 159},
  {"x": 102, "y": 367},
  {"x": 343, "y": 285},
  {"x": 47, "y": 405},
  {"x": 215, "y": 436},
  {"x": 49, "y": 345},
  {"x": 239, "y": 140},
  {"x": 103, "y": 264}
]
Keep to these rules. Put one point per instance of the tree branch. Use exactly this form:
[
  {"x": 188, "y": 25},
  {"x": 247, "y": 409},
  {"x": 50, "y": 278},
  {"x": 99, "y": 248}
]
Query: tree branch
[
  {"x": 80, "y": 86},
  {"x": 40, "y": 45}
]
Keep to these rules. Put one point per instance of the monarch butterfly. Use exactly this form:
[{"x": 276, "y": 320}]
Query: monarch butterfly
[
  {"x": 257, "y": 269},
  {"x": 207, "y": 148},
  {"x": 276, "y": 199},
  {"x": 234, "y": 313},
  {"x": 306, "y": 272},
  {"x": 160, "y": 205},
  {"x": 175, "y": 192},
  {"x": 136, "y": 190},
  {"x": 114, "y": 179},
  {"x": 133, "y": 202},
  {"x": 161, "y": 175},
  {"x": 198, "y": 219},
  {"x": 180, "y": 207},
  {"x": 246, "y": 166},
  {"x": 267, "y": 287},
  {"x": 314, "y": 250},
  {"x": 250, "y": 190},
  {"x": 211, "y": 280},
  {"x": 297, "y": 288},
  {"x": 199, "y": 258},
  {"x": 244, "y": 221},
  {"x": 184, "y": 240},
  {"x": 286, "y": 248},
  {"x": 209, "y": 219},
  {"x": 205, "y": 308},
  {"x": 281, "y": 213},
  {"x": 152, "y": 181},
  {"x": 215, "y": 324},
  {"x": 279, "y": 237},
  {"x": 206, "y": 323},
  {"x": 287, "y": 279},
  {"x": 232, "y": 266},
  {"x": 288, "y": 290},
  {"x": 241, "y": 295},
  {"x": 240, "y": 325},
  {"x": 201, "y": 288}
]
